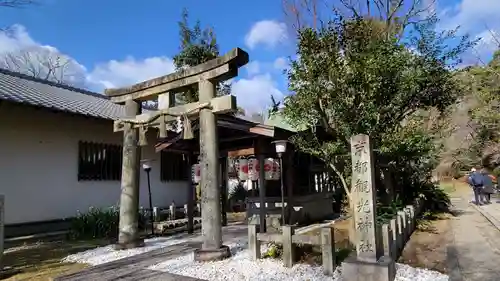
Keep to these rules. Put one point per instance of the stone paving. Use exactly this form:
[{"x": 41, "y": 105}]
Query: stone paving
[{"x": 473, "y": 251}]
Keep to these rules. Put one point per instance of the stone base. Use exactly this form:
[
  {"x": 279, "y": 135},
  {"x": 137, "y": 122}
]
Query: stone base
[
  {"x": 222, "y": 253},
  {"x": 355, "y": 270},
  {"x": 139, "y": 243}
]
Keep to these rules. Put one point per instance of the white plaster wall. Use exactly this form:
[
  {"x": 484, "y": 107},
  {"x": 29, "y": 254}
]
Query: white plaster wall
[{"x": 39, "y": 166}]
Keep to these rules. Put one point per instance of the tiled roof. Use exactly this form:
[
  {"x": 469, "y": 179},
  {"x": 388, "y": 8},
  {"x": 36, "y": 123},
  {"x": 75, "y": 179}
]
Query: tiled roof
[{"x": 20, "y": 88}]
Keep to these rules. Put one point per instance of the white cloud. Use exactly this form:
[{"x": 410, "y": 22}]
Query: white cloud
[
  {"x": 475, "y": 17},
  {"x": 115, "y": 73},
  {"x": 253, "y": 68},
  {"x": 254, "y": 94},
  {"x": 26, "y": 53},
  {"x": 280, "y": 63},
  {"x": 269, "y": 33}
]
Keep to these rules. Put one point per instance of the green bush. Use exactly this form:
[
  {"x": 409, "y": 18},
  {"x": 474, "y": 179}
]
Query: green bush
[
  {"x": 99, "y": 223},
  {"x": 435, "y": 198},
  {"x": 387, "y": 212}
]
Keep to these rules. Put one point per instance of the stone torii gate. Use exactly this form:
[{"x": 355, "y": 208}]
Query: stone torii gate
[{"x": 205, "y": 77}]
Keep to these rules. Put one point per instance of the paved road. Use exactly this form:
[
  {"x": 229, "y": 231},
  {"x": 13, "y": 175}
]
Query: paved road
[{"x": 473, "y": 252}]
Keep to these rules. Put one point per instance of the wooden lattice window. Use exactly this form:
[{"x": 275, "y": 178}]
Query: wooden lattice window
[
  {"x": 174, "y": 167},
  {"x": 97, "y": 161}
]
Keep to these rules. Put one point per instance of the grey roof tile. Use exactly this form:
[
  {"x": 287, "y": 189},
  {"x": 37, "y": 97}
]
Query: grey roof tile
[{"x": 20, "y": 88}]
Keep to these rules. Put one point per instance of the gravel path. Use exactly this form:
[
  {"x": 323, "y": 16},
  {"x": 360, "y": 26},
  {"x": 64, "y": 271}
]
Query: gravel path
[{"x": 474, "y": 253}]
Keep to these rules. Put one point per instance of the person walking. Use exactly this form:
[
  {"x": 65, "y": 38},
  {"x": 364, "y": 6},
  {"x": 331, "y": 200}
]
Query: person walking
[
  {"x": 475, "y": 180},
  {"x": 488, "y": 187}
]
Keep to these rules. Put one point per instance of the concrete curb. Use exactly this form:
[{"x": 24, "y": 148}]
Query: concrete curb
[{"x": 487, "y": 216}]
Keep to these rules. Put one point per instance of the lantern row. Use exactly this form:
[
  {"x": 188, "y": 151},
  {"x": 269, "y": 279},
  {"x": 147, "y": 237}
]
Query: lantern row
[{"x": 247, "y": 169}]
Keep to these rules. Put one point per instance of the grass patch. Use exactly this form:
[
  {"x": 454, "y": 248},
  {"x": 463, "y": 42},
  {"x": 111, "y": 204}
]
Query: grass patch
[
  {"x": 42, "y": 261},
  {"x": 448, "y": 187},
  {"x": 455, "y": 187}
]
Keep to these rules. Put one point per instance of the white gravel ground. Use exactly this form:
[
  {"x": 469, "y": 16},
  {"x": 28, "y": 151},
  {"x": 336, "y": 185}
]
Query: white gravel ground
[
  {"x": 241, "y": 267},
  {"x": 238, "y": 267},
  {"x": 107, "y": 254}
]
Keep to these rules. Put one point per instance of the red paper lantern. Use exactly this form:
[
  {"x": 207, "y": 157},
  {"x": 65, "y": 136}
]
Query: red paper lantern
[{"x": 196, "y": 173}]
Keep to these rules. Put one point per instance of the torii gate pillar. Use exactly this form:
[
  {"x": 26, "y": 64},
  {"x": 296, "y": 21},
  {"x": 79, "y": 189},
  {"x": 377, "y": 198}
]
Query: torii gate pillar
[{"x": 205, "y": 76}]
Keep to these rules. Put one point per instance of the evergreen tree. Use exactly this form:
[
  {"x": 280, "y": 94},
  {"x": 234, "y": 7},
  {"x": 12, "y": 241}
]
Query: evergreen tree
[{"x": 198, "y": 45}]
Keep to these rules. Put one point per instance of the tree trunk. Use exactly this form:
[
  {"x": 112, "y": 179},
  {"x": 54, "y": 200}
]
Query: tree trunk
[{"x": 352, "y": 225}]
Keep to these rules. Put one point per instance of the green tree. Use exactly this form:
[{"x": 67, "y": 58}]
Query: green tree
[
  {"x": 358, "y": 76},
  {"x": 198, "y": 45}
]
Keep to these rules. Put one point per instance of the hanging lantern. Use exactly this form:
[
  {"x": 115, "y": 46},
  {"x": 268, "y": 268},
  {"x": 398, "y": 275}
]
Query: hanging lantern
[
  {"x": 253, "y": 169},
  {"x": 195, "y": 173},
  {"x": 268, "y": 169},
  {"x": 243, "y": 169},
  {"x": 276, "y": 170}
]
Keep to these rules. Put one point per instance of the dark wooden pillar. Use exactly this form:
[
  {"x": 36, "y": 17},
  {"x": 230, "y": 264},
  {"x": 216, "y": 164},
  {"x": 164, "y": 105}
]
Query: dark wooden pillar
[
  {"x": 190, "y": 194},
  {"x": 262, "y": 185},
  {"x": 223, "y": 192},
  {"x": 290, "y": 181}
]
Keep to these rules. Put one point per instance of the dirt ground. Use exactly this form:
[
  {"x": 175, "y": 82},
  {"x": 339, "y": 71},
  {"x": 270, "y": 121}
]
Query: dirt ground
[
  {"x": 41, "y": 261},
  {"x": 427, "y": 247}
]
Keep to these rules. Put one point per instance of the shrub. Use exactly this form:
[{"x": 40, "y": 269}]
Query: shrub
[
  {"x": 99, "y": 223},
  {"x": 387, "y": 212},
  {"x": 435, "y": 198}
]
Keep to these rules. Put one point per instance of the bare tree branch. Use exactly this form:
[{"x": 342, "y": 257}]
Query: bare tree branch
[
  {"x": 397, "y": 14},
  {"x": 43, "y": 64}
]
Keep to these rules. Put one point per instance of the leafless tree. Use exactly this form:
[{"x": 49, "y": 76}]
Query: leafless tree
[
  {"x": 45, "y": 64},
  {"x": 313, "y": 13}
]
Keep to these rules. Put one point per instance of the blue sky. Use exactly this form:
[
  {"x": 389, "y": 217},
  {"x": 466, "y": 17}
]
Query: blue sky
[{"x": 114, "y": 43}]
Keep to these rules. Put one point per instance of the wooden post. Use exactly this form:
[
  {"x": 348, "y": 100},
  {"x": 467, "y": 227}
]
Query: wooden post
[
  {"x": 388, "y": 240},
  {"x": 2, "y": 225},
  {"x": 290, "y": 184},
  {"x": 173, "y": 210},
  {"x": 210, "y": 185},
  {"x": 404, "y": 227},
  {"x": 156, "y": 214},
  {"x": 262, "y": 186},
  {"x": 253, "y": 242},
  {"x": 288, "y": 247},
  {"x": 411, "y": 218},
  {"x": 328, "y": 250},
  {"x": 400, "y": 242},
  {"x": 190, "y": 196},
  {"x": 128, "y": 236},
  {"x": 223, "y": 191},
  {"x": 395, "y": 238}
]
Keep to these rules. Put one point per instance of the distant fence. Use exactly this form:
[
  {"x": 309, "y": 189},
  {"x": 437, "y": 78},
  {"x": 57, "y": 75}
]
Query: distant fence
[{"x": 170, "y": 213}]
